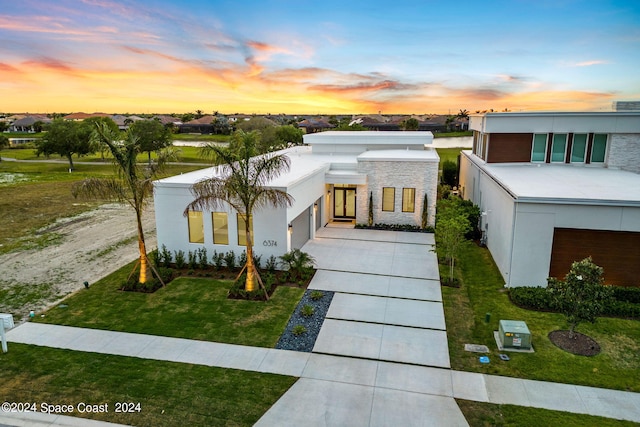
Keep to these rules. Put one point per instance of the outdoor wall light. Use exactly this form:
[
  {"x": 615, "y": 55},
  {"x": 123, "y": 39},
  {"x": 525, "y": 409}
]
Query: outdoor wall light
[
  {"x": 290, "y": 227},
  {"x": 86, "y": 285}
]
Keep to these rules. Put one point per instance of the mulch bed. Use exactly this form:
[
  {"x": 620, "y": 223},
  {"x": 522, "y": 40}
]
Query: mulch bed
[{"x": 580, "y": 344}]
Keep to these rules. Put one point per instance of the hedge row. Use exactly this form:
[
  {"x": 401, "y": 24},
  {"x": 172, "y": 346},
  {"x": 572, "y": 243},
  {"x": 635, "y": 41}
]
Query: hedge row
[{"x": 625, "y": 303}]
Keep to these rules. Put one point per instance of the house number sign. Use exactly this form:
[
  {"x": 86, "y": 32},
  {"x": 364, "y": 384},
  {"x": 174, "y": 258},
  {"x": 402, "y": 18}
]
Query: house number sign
[{"x": 269, "y": 243}]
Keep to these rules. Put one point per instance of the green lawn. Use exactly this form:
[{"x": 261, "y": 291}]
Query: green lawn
[
  {"x": 452, "y": 134},
  {"x": 194, "y": 308},
  {"x": 487, "y": 414},
  {"x": 450, "y": 154},
  {"x": 482, "y": 292},
  {"x": 169, "y": 394}
]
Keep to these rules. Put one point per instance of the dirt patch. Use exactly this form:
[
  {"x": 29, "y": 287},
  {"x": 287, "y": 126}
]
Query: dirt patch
[
  {"x": 92, "y": 245},
  {"x": 579, "y": 344}
]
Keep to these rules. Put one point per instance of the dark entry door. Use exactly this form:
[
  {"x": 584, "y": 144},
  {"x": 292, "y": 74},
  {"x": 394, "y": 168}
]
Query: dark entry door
[{"x": 344, "y": 205}]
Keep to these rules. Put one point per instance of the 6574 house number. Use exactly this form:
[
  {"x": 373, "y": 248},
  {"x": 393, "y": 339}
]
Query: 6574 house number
[{"x": 269, "y": 243}]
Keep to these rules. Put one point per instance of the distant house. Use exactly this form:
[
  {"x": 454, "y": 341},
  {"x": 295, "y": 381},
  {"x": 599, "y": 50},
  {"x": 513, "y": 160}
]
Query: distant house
[
  {"x": 203, "y": 125},
  {"x": 315, "y": 125},
  {"x": 332, "y": 179},
  {"x": 554, "y": 188},
  {"x": 81, "y": 116},
  {"x": 26, "y": 124}
]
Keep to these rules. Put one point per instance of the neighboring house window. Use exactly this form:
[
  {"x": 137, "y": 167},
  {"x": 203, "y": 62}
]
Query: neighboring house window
[
  {"x": 559, "y": 147},
  {"x": 599, "y": 148},
  {"x": 408, "y": 200},
  {"x": 196, "y": 227},
  {"x": 578, "y": 147},
  {"x": 539, "y": 151},
  {"x": 220, "y": 228},
  {"x": 242, "y": 229},
  {"x": 388, "y": 199}
]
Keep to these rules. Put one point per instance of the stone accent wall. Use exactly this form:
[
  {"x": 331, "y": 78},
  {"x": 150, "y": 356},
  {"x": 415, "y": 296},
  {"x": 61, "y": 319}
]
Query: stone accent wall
[
  {"x": 624, "y": 151},
  {"x": 423, "y": 176}
]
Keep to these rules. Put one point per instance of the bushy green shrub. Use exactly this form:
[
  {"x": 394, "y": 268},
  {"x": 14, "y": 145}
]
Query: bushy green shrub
[
  {"x": 242, "y": 259},
  {"x": 151, "y": 285},
  {"x": 230, "y": 260},
  {"x": 203, "y": 259},
  {"x": 297, "y": 263},
  {"x": 631, "y": 295},
  {"x": 237, "y": 291},
  {"x": 307, "y": 310},
  {"x": 299, "y": 330},
  {"x": 193, "y": 259},
  {"x": 165, "y": 256},
  {"x": 317, "y": 295},
  {"x": 616, "y": 308},
  {"x": 257, "y": 260},
  {"x": 218, "y": 260},
  {"x": 272, "y": 263},
  {"x": 449, "y": 173},
  {"x": 180, "y": 260},
  {"x": 533, "y": 298}
]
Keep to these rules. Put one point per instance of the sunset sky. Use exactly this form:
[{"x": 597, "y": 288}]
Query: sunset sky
[{"x": 328, "y": 57}]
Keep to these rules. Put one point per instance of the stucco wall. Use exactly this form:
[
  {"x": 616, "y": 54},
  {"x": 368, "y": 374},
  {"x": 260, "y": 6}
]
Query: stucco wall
[
  {"x": 423, "y": 176},
  {"x": 624, "y": 151}
]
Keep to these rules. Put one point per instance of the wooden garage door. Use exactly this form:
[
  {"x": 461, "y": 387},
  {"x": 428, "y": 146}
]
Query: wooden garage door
[{"x": 618, "y": 252}]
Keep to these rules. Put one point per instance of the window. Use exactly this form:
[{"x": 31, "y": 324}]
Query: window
[
  {"x": 242, "y": 229},
  {"x": 599, "y": 148},
  {"x": 578, "y": 148},
  {"x": 539, "y": 151},
  {"x": 388, "y": 199},
  {"x": 196, "y": 227},
  {"x": 220, "y": 228},
  {"x": 558, "y": 147},
  {"x": 408, "y": 200}
]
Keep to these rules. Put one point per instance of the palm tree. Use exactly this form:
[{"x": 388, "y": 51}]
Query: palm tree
[
  {"x": 133, "y": 183},
  {"x": 241, "y": 182}
]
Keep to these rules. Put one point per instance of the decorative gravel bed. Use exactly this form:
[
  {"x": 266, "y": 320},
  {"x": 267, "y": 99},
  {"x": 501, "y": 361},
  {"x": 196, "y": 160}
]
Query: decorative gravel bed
[{"x": 312, "y": 324}]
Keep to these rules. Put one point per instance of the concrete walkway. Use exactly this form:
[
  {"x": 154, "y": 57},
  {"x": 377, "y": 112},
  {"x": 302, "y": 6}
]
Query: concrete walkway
[{"x": 381, "y": 357}]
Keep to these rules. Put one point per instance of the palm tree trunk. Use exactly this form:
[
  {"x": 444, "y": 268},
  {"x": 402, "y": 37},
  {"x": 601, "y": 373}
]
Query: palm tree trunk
[
  {"x": 144, "y": 262},
  {"x": 250, "y": 284}
]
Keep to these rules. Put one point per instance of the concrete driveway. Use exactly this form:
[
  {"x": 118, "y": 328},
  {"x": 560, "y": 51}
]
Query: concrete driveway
[{"x": 381, "y": 357}]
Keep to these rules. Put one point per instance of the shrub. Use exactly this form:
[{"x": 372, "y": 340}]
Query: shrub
[
  {"x": 449, "y": 173},
  {"x": 230, "y": 260},
  {"x": 616, "y": 308},
  {"x": 151, "y": 285},
  {"x": 317, "y": 295},
  {"x": 166, "y": 256},
  {"x": 631, "y": 295},
  {"x": 218, "y": 260},
  {"x": 242, "y": 259},
  {"x": 237, "y": 291},
  {"x": 193, "y": 259},
  {"x": 257, "y": 260},
  {"x": 533, "y": 298},
  {"x": 268, "y": 279},
  {"x": 272, "y": 263},
  {"x": 298, "y": 330},
  {"x": 180, "y": 260},
  {"x": 203, "y": 259},
  {"x": 154, "y": 258},
  {"x": 307, "y": 310},
  {"x": 297, "y": 263}
]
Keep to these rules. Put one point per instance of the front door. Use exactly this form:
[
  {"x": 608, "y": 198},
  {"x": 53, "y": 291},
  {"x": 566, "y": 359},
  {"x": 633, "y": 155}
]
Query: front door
[{"x": 344, "y": 202}]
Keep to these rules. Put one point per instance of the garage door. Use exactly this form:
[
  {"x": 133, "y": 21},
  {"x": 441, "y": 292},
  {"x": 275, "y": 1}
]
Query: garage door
[
  {"x": 618, "y": 252},
  {"x": 301, "y": 229}
]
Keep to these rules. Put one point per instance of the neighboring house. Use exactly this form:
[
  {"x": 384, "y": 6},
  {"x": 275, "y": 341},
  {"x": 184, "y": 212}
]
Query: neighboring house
[
  {"x": 203, "y": 125},
  {"x": 78, "y": 117},
  {"x": 554, "y": 188},
  {"x": 331, "y": 179},
  {"x": 25, "y": 124},
  {"x": 315, "y": 125}
]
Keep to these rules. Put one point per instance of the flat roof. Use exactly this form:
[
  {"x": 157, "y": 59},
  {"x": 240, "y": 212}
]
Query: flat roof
[
  {"x": 400, "y": 155},
  {"x": 564, "y": 183},
  {"x": 400, "y": 138}
]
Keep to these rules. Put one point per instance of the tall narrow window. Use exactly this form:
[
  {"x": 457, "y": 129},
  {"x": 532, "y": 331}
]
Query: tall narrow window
[
  {"x": 388, "y": 199},
  {"x": 242, "y": 230},
  {"x": 599, "y": 148},
  {"x": 196, "y": 227},
  {"x": 220, "y": 228},
  {"x": 558, "y": 147},
  {"x": 408, "y": 200},
  {"x": 539, "y": 151},
  {"x": 578, "y": 147}
]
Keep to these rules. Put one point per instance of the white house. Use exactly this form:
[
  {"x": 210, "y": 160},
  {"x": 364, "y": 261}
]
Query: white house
[
  {"x": 331, "y": 180},
  {"x": 554, "y": 188}
]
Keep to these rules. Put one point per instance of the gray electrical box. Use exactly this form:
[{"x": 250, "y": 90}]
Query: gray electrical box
[{"x": 514, "y": 334}]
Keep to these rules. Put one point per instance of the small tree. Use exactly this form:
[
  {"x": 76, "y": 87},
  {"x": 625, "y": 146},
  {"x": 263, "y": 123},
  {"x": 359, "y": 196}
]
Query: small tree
[
  {"x": 450, "y": 231},
  {"x": 582, "y": 296},
  {"x": 410, "y": 124},
  {"x": 66, "y": 138},
  {"x": 449, "y": 173},
  {"x": 425, "y": 212},
  {"x": 152, "y": 136}
]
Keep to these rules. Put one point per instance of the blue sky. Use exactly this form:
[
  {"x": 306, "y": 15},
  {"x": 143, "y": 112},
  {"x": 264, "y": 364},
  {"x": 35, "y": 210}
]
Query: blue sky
[{"x": 329, "y": 57}]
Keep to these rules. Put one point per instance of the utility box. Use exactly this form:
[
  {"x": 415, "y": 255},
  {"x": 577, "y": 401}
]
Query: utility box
[
  {"x": 7, "y": 320},
  {"x": 514, "y": 334}
]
